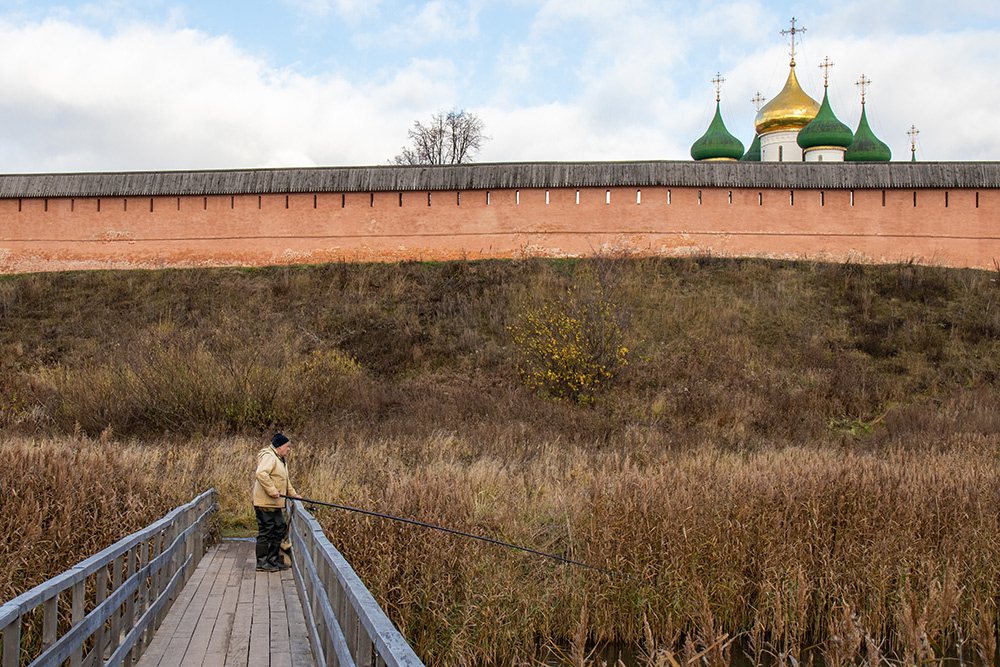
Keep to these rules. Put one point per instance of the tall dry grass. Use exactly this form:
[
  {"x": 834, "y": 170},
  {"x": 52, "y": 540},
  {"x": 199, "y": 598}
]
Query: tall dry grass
[
  {"x": 63, "y": 499},
  {"x": 790, "y": 547},
  {"x": 856, "y": 554}
]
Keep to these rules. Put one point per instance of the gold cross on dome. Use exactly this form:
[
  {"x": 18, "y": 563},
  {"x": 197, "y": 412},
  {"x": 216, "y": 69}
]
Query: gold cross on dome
[
  {"x": 912, "y": 133},
  {"x": 758, "y": 100},
  {"x": 825, "y": 66},
  {"x": 718, "y": 81},
  {"x": 863, "y": 84},
  {"x": 792, "y": 32}
]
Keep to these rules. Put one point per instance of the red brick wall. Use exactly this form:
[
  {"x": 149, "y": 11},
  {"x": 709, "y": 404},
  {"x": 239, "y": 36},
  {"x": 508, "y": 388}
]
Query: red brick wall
[{"x": 868, "y": 225}]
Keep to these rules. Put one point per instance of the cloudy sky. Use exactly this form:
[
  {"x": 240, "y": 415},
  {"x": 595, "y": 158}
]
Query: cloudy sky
[{"x": 185, "y": 84}]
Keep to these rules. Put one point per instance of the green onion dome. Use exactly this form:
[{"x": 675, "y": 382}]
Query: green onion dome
[
  {"x": 866, "y": 147},
  {"x": 753, "y": 153},
  {"x": 825, "y": 129},
  {"x": 717, "y": 143}
]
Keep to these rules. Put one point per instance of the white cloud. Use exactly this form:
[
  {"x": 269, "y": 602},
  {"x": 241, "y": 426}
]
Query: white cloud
[
  {"x": 350, "y": 10},
  {"x": 147, "y": 98},
  {"x": 588, "y": 80},
  {"x": 435, "y": 22}
]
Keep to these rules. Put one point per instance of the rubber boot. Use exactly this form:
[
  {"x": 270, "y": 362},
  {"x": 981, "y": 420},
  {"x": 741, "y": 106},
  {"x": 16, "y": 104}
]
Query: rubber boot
[{"x": 262, "y": 553}]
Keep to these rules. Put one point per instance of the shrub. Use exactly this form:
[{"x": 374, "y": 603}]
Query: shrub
[
  {"x": 188, "y": 381},
  {"x": 572, "y": 346}
]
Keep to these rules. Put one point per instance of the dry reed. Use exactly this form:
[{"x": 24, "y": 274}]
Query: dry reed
[{"x": 855, "y": 553}]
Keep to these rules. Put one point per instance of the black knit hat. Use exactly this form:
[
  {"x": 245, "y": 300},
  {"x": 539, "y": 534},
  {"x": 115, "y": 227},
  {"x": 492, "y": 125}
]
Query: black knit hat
[{"x": 278, "y": 440}]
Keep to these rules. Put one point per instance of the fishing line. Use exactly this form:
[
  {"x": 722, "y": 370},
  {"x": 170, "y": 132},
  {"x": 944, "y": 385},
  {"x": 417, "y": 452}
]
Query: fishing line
[{"x": 565, "y": 561}]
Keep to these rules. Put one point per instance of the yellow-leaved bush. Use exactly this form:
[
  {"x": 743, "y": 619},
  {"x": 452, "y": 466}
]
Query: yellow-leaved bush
[{"x": 572, "y": 346}]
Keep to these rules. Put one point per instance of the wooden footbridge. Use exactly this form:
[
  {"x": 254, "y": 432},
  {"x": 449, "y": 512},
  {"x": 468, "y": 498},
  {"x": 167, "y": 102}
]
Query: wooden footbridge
[{"x": 159, "y": 598}]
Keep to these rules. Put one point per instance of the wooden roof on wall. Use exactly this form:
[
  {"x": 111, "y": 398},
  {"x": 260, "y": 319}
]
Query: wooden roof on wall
[{"x": 495, "y": 176}]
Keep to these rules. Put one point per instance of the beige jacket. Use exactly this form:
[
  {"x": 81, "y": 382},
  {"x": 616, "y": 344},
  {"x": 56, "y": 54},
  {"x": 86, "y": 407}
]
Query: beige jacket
[{"x": 271, "y": 477}]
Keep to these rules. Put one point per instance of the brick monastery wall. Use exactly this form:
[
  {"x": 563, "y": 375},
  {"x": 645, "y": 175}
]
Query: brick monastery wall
[{"x": 953, "y": 227}]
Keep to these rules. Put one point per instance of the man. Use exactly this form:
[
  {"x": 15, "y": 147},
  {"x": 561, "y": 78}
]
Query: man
[{"x": 270, "y": 483}]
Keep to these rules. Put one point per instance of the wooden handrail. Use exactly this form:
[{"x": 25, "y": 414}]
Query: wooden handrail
[
  {"x": 144, "y": 570},
  {"x": 347, "y": 627}
]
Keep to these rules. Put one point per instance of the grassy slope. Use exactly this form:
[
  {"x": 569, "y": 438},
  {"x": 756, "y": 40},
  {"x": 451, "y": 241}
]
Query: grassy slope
[{"x": 733, "y": 352}]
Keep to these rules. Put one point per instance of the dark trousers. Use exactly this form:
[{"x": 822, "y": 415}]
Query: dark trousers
[{"x": 271, "y": 529}]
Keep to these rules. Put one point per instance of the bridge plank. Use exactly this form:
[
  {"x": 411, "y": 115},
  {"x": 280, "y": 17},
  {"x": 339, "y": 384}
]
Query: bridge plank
[
  {"x": 239, "y": 639},
  {"x": 218, "y": 645},
  {"x": 298, "y": 633},
  {"x": 281, "y": 655},
  {"x": 260, "y": 625}
]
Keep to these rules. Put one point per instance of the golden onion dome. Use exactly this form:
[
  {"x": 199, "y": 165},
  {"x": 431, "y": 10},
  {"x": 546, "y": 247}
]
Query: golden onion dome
[{"x": 791, "y": 109}]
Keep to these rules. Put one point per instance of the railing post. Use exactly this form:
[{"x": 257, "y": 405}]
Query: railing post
[
  {"x": 171, "y": 565},
  {"x": 12, "y": 643},
  {"x": 79, "y": 593},
  {"x": 132, "y": 556},
  {"x": 116, "y": 614},
  {"x": 142, "y": 602},
  {"x": 158, "y": 583},
  {"x": 188, "y": 550},
  {"x": 101, "y": 595},
  {"x": 50, "y": 618}
]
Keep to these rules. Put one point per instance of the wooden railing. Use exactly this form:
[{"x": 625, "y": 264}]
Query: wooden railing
[
  {"x": 347, "y": 627},
  {"x": 127, "y": 587}
]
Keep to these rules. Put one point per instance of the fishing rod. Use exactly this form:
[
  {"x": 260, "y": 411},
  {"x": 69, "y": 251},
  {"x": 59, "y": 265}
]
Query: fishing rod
[{"x": 566, "y": 561}]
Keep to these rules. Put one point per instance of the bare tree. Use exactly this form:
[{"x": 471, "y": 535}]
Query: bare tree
[{"x": 450, "y": 137}]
